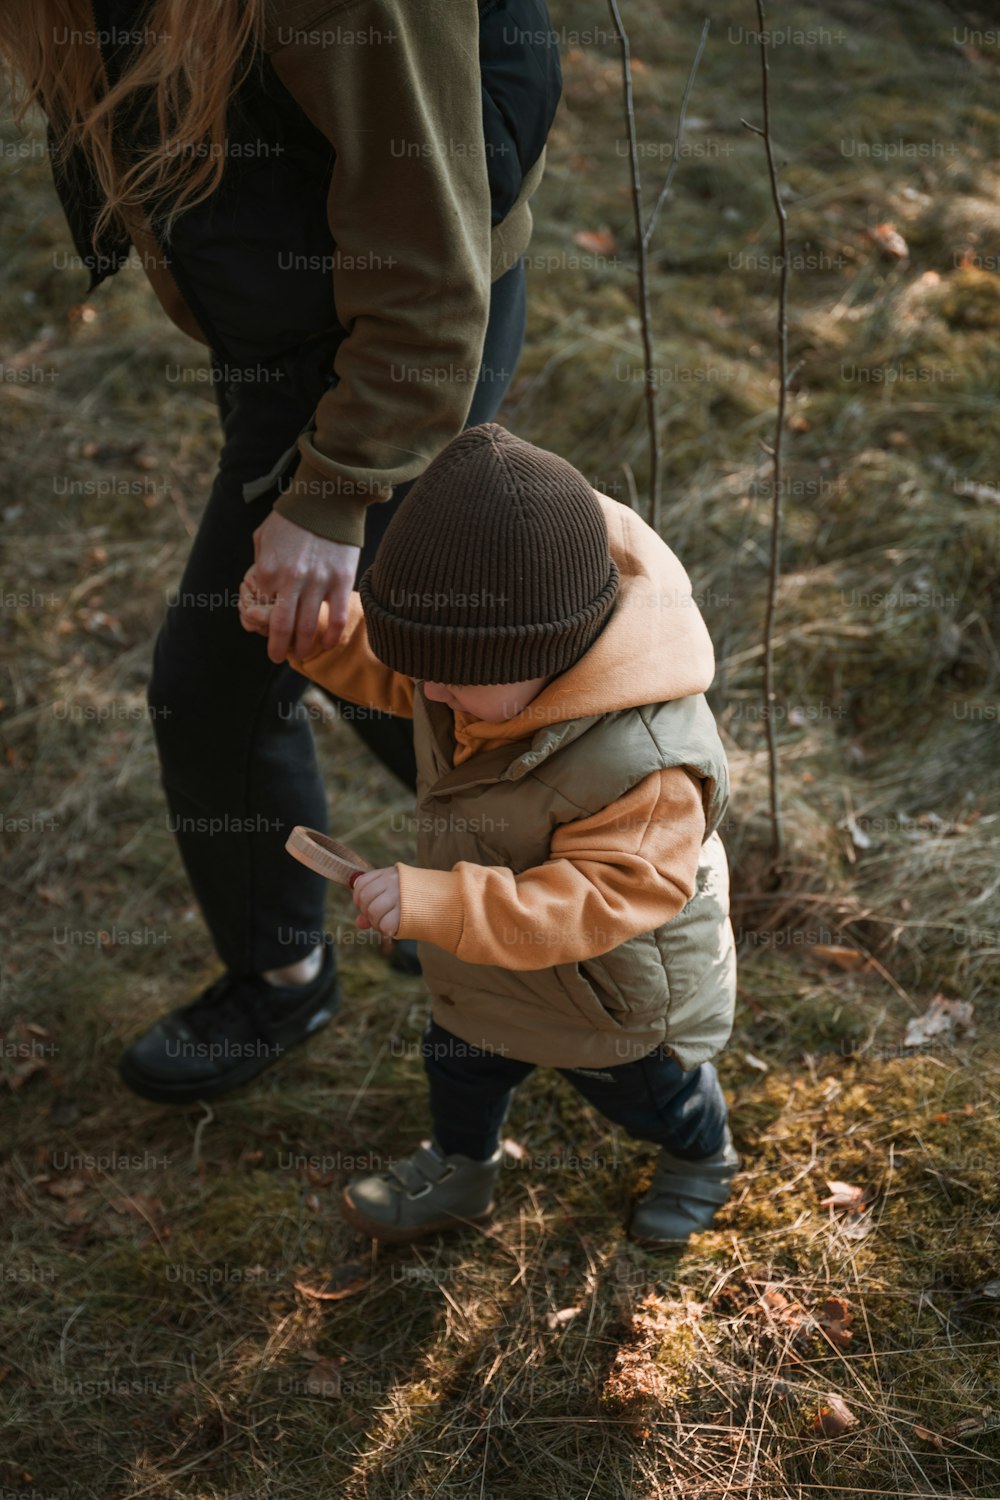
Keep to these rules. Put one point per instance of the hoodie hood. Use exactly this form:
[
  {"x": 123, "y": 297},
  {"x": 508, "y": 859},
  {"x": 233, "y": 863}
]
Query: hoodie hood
[{"x": 654, "y": 648}]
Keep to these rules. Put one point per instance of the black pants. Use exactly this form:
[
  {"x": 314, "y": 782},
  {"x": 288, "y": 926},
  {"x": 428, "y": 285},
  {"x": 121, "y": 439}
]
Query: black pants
[
  {"x": 653, "y": 1098},
  {"x": 236, "y": 750}
]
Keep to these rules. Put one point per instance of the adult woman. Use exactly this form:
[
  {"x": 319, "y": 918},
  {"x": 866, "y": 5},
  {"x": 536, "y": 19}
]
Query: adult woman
[{"x": 334, "y": 199}]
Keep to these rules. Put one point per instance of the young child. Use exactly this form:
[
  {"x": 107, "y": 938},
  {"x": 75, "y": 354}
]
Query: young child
[{"x": 570, "y": 894}]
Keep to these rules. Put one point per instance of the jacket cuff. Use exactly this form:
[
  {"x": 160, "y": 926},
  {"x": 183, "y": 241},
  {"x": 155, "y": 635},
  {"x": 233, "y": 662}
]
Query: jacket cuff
[
  {"x": 331, "y": 505},
  {"x": 430, "y": 906}
]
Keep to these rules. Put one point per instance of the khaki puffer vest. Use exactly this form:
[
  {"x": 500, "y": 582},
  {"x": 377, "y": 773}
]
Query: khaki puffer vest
[{"x": 675, "y": 985}]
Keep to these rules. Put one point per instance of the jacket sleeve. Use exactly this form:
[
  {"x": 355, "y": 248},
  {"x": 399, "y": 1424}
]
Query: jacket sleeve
[
  {"x": 611, "y": 876},
  {"x": 409, "y": 207},
  {"x": 353, "y": 671}
]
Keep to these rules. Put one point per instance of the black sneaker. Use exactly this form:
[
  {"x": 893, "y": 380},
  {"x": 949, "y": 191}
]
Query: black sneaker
[{"x": 235, "y": 1029}]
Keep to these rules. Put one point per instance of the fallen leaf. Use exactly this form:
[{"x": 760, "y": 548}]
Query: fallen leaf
[
  {"x": 981, "y": 493},
  {"x": 779, "y": 1309},
  {"x": 513, "y": 1149},
  {"x": 843, "y": 1195},
  {"x": 888, "y": 239},
  {"x": 346, "y": 1281},
  {"x": 596, "y": 241},
  {"x": 834, "y": 1315},
  {"x": 941, "y": 1018},
  {"x": 844, "y": 958},
  {"x": 52, "y": 895},
  {"x": 101, "y": 625},
  {"x": 834, "y": 1416},
  {"x": 989, "y": 1291},
  {"x": 562, "y": 1317},
  {"x": 966, "y": 1427},
  {"x": 66, "y": 1187},
  {"x": 856, "y": 1226}
]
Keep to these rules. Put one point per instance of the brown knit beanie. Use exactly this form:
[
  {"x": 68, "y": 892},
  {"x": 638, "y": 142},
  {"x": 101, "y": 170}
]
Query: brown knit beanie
[{"x": 494, "y": 569}]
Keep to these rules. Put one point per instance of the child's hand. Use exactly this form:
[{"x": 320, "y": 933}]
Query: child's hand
[
  {"x": 376, "y": 895},
  {"x": 256, "y": 609}
]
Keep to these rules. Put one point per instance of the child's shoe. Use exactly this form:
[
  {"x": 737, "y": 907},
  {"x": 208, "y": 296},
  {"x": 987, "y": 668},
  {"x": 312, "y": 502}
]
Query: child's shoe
[
  {"x": 683, "y": 1197},
  {"x": 423, "y": 1193}
]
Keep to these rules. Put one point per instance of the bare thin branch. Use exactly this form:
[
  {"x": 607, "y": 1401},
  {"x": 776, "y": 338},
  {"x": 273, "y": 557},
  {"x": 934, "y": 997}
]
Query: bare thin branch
[
  {"x": 679, "y": 133},
  {"x": 774, "y": 566},
  {"x": 645, "y": 317},
  {"x": 643, "y": 235}
]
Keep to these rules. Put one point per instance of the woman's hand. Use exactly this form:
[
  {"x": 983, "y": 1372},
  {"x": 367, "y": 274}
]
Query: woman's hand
[
  {"x": 299, "y": 572},
  {"x": 376, "y": 895}
]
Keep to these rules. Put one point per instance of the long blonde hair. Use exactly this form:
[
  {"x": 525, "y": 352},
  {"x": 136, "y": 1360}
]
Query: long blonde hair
[{"x": 190, "y": 58}]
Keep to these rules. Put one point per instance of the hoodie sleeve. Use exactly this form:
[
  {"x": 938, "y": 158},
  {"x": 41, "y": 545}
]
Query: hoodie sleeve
[
  {"x": 409, "y": 207},
  {"x": 611, "y": 876},
  {"x": 353, "y": 671}
]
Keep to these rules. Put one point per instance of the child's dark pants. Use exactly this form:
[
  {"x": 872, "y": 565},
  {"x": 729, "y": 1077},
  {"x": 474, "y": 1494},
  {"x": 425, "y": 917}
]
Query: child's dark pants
[{"x": 653, "y": 1099}]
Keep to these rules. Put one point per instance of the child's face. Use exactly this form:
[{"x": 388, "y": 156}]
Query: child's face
[{"x": 493, "y": 704}]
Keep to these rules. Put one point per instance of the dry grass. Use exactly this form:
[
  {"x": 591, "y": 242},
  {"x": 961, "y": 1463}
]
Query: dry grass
[{"x": 160, "y": 1329}]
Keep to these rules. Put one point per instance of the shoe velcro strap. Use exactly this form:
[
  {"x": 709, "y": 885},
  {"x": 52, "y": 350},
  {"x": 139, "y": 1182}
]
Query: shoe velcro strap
[
  {"x": 420, "y": 1171},
  {"x": 699, "y": 1189}
]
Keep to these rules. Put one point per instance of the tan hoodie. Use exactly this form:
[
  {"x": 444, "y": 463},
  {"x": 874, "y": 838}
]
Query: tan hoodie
[{"x": 618, "y": 873}]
